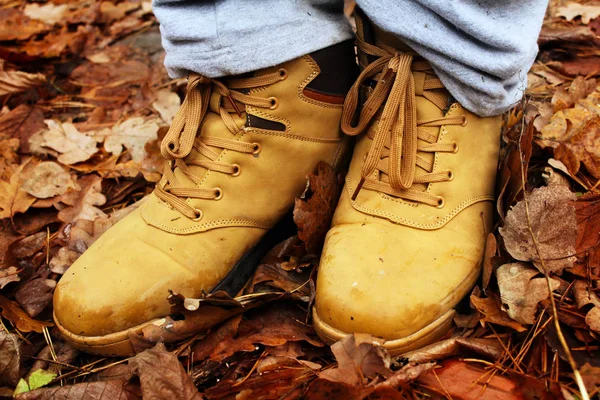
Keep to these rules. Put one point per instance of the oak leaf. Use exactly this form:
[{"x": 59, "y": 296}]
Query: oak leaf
[
  {"x": 162, "y": 376},
  {"x": 102, "y": 390},
  {"x": 48, "y": 179},
  {"x": 83, "y": 204},
  {"x": 553, "y": 223},
  {"x": 133, "y": 134},
  {"x": 492, "y": 312},
  {"x": 49, "y": 13},
  {"x": 14, "y": 25},
  {"x": 12, "y": 198},
  {"x": 72, "y": 145},
  {"x": 167, "y": 104},
  {"x": 521, "y": 291}
]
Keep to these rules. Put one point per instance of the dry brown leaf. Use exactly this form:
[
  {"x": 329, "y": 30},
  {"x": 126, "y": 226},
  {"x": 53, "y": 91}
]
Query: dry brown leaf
[
  {"x": 12, "y": 312},
  {"x": 359, "y": 357},
  {"x": 10, "y": 358},
  {"x": 83, "y": 204},
  {"x": 12, "y": 199},
  {"x": 14, "y": 25},
  {"x": 553, "y": 223},
  {"x": 72, "y": 145},
  {"x": 18, "y": 81},
  {"x": 490, "y": 349},
  {"x": 314, "y": 210},
  {"x": 162, "y": 376},
  {"x": 8, "y": 275},
  {"x": 592, "y": 318},
  {"x": 133, "y": 134},
  {"x": 102, "y": 390},
  {"x": 579, "y": 89},
  {"x": 60, "y": 263},
  {"x": 520, "y": 292},
  {"x": 574, "y": 10},
  {"x": 582, "y": 147},
  {"x": 167, "y": 104},
  {"x": 584, "y": 295},
  {"x": 9, "y": 159},
  {"x": 35, "y": 295},
  {"x": 591, "y": 377},
  {"x": 48, "y": 179},
  {"x": 49, "y": 13},
  {"x": 492, "y": 312},
  {"x": 22, "y": 123}
]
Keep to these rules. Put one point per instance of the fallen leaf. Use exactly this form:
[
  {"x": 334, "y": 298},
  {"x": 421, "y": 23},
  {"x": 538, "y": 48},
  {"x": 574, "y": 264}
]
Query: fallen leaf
[
  {"x": 591, "y": 377},
  {"x": 18, "y": 81},
  {"x": 48, "y": 179},
  {"x": 162, "y": 376},
  {"x": 491, "y": 247},
  {"x": 592, "y": 318},
  {"x": 38, "y": 379},
  {"x": 553, "y": 223},
  {"x": 359, "y": 357},
  {"x": 72, "y": 145},
  {"x": 521, "y": 292},
  {"x": 314, "y": 209},
  {"x": 582, "y": 147},
  {"x": 22, "y": 123},
  {"x": 12, "y": 198},
  {"x": 271, "y": 325},
  {"x": 83, "y": 204},
  {"x": 490, "y": 349},
  {"x": 9, "y": 159},
  {"x": 10, "y": 358},
  {"x": 8, "y": 275},
  {"x": 102, "y": 390},
  {"x": 579, "y": 89},
  {"x": 30, "y": 245},
  {"x": 133, "y": 134},
  {"x": 35, "y": 295},
  {"x": 48, "y": 13},
  {"x": 492, "y": 312},
  {"x": 587, "y": 211},
  {"x": 462, "y": 380},
  {"x": 14, "y": 25},
  {"x": 584, "y": 295},
  {"x": 63, "y": 259},
  {"x": 573, "y": 10},
  {"x": 167, "y": 104},
  {"x": 12, "y": 312}
]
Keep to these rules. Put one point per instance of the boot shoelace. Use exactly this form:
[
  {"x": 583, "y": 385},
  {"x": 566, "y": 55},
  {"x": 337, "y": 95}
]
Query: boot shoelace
[
  {"x": 183, "y": 136},
  {"x": 397, "y": 136}
]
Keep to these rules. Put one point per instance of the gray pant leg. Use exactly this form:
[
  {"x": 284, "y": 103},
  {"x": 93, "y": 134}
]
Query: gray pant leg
[
  {"x": 226, "y": 37},
  {"x": 480, "y": 49}
]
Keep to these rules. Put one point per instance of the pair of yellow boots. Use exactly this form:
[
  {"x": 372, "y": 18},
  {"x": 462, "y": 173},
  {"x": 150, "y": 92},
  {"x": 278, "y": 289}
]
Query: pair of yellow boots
[{"x": 408, "y": 235}]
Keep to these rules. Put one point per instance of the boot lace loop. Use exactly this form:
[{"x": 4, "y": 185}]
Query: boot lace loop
[
  {"x": 398, "y": 132},
  {"x": 183, "y": 137}
]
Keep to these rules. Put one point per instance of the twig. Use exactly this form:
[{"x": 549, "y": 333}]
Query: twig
[{"x": 561, "y": 338}]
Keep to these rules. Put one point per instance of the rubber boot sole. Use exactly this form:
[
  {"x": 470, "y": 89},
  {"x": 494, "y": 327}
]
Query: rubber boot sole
[{"x": 119, "y": 343}]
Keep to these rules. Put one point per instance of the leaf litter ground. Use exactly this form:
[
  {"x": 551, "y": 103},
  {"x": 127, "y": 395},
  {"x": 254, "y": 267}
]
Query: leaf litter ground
[{"x": 85, "y": 103}]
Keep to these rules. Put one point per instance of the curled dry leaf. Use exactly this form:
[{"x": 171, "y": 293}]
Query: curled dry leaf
[
  {"x": 12, "y": 312},
  {"x": 10, "y": 358},
  {"x": 162, "y": 376},
  {"x": 490, "y": 349},
  {"x": 48, "y": 179},
  {"x": 491, "y": 309},
  {"x": 592, "y": 318},
  {"x": 521, "y": 292},
  {"x": 313, "y": 212},
  {"x": 553, "y": 222},
  {"x": 18, "y": 81},
  {"x": 83, "y": 204},
  {"x": 72, "y": 145},
  {"x": 12, "y": 198}
]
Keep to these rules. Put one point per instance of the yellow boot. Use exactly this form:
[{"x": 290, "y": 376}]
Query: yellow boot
[
  {"x": 240, "y": 149},
  {"x": 408, "y": 235}
]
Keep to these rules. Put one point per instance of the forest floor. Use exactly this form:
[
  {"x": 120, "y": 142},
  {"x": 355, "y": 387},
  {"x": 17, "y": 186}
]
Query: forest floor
[{"x": 85, "y": 101}]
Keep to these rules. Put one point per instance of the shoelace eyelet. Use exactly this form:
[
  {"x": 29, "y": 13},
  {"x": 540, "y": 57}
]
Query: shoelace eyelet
[
  {"x": 257, "y": 149},
  {"x": 274, "y": 102},
  {"x": 199, "y": 214},
  {"x": 465, "y": 121},
  {"x": 237, "y": 170},
  {"x": 218, "y": 194},
  {"x": 440, "y": 202},
  {"x": 283, "y": 73},
  {"x": 450, "y": 176},
  {"x": 455, "y": 150}
]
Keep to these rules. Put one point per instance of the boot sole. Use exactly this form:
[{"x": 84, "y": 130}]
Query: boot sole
[
  {"x": 119, "y": 343},
  {"x": 421, "y": 338}
]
